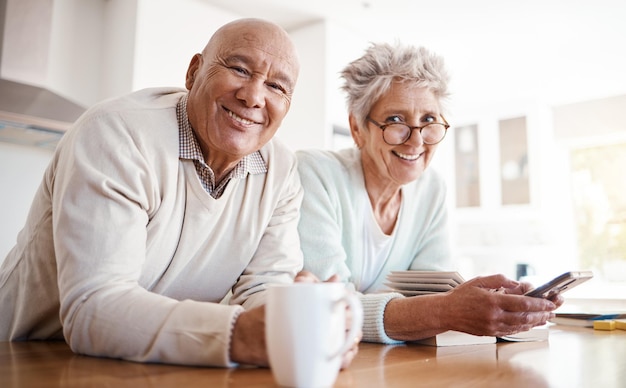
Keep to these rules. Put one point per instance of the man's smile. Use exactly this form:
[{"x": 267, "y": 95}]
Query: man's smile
[{"x": 239, "y": 118}]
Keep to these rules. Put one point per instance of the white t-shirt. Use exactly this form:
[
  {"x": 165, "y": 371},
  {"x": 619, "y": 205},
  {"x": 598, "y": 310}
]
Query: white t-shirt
[{"x": 376, "y": 246}]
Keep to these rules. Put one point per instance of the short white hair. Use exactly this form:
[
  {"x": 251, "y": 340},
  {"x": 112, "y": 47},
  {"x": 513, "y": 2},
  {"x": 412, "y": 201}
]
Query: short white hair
[{"x": 369, "y": 77}]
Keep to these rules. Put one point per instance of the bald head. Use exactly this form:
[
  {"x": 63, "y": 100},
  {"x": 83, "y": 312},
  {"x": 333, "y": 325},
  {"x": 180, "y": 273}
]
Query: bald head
[
  {"x": 258, "y": 33},
  {"x": 240, "y": 89}
]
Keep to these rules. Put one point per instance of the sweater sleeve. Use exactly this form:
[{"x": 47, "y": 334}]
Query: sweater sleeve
[
  {"x": 373, "y": 317},
  {"x": 321, "y": 223},
  {"x": 278, "y": 256},
  {"x": 104, "y": 191}
]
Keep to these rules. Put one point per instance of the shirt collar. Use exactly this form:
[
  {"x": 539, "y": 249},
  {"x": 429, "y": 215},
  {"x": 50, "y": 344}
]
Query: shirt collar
[{"x": 189, "y": 148}]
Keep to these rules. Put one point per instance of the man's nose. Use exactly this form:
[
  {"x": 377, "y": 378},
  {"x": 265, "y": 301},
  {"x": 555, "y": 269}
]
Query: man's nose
[{"x": 252, "y": 93}]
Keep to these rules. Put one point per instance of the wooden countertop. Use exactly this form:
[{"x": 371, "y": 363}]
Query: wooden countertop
[{"x": 572, "y": 357}]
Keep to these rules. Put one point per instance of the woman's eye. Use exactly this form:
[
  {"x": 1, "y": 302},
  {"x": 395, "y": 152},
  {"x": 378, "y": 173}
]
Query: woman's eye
[
  {"x": 394, "y": 119},
  {"x": 429, "y": 119}
]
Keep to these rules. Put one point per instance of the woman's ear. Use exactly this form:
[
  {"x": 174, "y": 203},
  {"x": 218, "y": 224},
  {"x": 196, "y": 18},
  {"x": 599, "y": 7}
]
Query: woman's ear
[
  {"x": 356, "y": 131},
  {"x": 194, "y": 65}
]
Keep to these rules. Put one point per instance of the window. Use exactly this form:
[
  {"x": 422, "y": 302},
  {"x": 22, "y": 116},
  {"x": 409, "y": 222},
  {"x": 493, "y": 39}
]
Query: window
[
  {"x": 598, "y": 176},
  {"x": 467, "y": 166},
  {"x": 514, "y": 162}
]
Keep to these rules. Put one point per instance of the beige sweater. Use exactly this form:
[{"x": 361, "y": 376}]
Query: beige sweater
[{"x": 125, "y": 255}]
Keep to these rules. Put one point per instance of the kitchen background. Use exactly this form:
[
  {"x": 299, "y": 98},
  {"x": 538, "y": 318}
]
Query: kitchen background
[{"x": 534, "y": 160}]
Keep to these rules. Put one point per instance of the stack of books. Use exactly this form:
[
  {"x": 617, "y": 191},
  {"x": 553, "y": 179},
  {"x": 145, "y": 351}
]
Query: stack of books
[
  {"x": 455, "y": 338},
  {"x": 584, "y": 319},
  {"x": 412, "y": 283}
]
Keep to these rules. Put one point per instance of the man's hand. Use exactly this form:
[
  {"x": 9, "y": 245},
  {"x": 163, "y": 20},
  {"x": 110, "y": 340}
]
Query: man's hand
[{"x": 248, "y": 344}]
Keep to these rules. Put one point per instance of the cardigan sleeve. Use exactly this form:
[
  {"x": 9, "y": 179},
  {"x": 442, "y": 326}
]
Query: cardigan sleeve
[
  {"x": 373, "y": 317},
  {"x": 103, "y": 192},
  {"x": 321, "y": 225},
  {"x": 322, "y": 229}
]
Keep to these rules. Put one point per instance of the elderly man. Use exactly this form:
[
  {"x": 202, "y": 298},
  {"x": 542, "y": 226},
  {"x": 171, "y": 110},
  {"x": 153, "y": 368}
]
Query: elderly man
[{"x": 156, "y": 205}]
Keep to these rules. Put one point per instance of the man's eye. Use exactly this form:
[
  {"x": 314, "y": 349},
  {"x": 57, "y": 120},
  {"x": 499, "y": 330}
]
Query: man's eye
[
  {"x": 429, "y": 119},
  {"x": 277, "y": 87},
  {"x": 239, "y": 70}
]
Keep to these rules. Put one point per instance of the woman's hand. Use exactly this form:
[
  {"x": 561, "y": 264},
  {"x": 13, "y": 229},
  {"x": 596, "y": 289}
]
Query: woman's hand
[
  {"x": 487, "y": 305},
  {"x": 308, "y": 277},
  {"x": 495, "y": 305}
]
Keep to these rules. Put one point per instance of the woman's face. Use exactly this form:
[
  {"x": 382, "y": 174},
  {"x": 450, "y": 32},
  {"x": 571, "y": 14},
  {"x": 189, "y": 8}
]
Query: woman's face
[{"x": 396, "y": 165}]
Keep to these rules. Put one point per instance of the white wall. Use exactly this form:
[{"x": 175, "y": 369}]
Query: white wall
[
  {"x": 306, "y": 123},
  {"x": 168, "y": 34},
  {"x": 75, "y": 59},
  {"x": 324, "y": 49},
  {"x": 117, "y": 49}
]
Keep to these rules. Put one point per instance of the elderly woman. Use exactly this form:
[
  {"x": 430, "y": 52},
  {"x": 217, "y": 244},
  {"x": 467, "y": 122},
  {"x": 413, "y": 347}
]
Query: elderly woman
[{"x": 378, "y": 207}]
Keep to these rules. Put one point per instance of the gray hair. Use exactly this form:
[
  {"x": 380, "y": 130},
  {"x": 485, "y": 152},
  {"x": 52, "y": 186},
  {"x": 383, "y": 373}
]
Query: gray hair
[{"x": 369, "y": 77}]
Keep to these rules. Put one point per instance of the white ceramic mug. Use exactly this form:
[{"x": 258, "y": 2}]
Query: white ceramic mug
[{"x": 305, "y": 328}]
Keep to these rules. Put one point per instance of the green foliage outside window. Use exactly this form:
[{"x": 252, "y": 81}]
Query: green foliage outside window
[{"x": 599, "y": 195}]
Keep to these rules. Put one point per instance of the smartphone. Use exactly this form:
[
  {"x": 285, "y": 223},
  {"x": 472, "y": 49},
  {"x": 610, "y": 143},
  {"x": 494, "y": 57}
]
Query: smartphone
[{"x": 560, "y": 284}]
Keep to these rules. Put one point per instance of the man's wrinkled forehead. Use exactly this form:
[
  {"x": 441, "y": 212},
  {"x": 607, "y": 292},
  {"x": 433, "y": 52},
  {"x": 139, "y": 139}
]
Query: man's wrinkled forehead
[
  {"x": 245, "y": 39},
  {"x": 269, "y": 52}
]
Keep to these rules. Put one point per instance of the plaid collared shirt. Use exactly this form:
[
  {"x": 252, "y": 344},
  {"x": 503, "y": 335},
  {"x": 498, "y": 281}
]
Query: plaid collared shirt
[{"x": 190, "y": 149}]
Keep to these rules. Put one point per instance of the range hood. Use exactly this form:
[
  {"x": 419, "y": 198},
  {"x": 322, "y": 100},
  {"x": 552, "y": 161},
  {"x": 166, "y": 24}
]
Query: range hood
[
  {"x": 34, "y": 116},
  {"x": 30, "y": 112}
]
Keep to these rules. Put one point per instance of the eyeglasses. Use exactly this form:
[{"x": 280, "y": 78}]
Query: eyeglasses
[{"x": 399, "y": 133}]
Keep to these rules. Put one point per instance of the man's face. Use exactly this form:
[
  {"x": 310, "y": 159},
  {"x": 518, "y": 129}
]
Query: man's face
[{"x": 240, "y": 91}]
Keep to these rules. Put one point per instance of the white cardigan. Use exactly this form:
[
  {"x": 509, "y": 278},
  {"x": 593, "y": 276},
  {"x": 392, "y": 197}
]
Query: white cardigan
[
  {"x": 144, "y": 254},
  {"x": 331, "y": 228}
]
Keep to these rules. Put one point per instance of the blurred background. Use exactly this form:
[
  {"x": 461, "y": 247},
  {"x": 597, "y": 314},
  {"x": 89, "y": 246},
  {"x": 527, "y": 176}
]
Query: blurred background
[{"x": 535, "y": 160}]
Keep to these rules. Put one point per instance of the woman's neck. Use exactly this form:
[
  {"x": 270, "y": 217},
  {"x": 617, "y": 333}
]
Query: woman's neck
[{"x": 385, "y": 201}]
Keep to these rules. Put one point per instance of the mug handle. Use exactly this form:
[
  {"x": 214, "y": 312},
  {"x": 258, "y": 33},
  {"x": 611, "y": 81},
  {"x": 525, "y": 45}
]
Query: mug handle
[{"x": 354, "y": 303}]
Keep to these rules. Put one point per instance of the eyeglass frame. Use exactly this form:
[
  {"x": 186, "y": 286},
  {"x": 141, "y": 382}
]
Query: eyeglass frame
[{"x": 384, "y": 126}]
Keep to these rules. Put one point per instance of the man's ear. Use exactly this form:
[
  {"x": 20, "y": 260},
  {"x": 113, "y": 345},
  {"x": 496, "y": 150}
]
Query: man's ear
[
  {"x": 194, "y": 65},
  {"x": 357, "y": 133}
]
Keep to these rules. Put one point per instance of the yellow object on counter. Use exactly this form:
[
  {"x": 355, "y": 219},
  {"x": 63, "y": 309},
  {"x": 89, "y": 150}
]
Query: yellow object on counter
[
  {"x": 620, "y": 324},
  {"x": 604, "y": 325}
]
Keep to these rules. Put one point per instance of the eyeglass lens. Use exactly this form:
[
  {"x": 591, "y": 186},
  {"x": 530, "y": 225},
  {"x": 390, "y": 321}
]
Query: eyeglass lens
[{"x": 399, "y": 133}]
